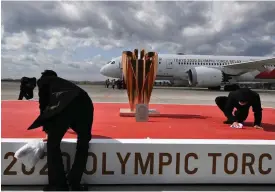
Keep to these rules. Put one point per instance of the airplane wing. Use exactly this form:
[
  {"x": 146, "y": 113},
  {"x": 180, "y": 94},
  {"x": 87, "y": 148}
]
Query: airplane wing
[{"x": 261, "y": 65}]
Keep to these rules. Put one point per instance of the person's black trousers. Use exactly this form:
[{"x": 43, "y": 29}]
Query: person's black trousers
[
  {"x": 79, "y": 117},
  {"x": 241, "y": 114},
  {"x": 28, "y": 94}
]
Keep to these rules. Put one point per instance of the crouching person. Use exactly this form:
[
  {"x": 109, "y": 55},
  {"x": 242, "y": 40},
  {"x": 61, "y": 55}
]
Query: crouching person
[
  {"x": 64, "y": 105},
  {"x": 242, "y": 100}
]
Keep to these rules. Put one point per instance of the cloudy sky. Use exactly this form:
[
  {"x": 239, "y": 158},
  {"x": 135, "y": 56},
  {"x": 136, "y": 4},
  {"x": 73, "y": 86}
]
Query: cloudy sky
[{"x": 77, "y": 38}]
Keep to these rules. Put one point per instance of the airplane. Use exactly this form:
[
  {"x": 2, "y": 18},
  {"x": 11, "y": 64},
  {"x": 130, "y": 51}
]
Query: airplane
[{"x": 208, "y": 71}]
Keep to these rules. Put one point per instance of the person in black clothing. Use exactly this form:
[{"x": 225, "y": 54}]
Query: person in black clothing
[
  {"x": 242, "y": 100},
  {"x": 64, "y": 105},
  {"x": 107, "y": 83},
  {"x": 26, "y": 88},
  {"x": 113, "y": 83}
]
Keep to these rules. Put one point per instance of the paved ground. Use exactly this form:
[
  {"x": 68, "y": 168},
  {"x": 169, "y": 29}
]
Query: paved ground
[{"x": 10, "y": 91}]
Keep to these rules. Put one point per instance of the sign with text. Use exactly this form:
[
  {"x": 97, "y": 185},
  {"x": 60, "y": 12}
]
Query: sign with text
[{"x": 123, "y": 163}]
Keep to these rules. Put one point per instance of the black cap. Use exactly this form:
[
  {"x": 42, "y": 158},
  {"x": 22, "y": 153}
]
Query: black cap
[{"x": 49, "y": 73}]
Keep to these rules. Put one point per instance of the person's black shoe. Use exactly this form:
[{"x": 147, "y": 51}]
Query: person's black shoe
[
  {"x": 79, "y": 188},
  {"x": 55, "y": 188},
  {"x": 49, "y": 188},
  {"x": 65, "y": 188}
]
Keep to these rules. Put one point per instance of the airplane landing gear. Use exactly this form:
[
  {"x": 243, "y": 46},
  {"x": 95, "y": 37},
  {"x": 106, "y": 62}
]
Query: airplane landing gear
[
  {"x": 121, "y": 84},
  {"x": 267, "y": 86},
  {"x": 217, "y": 88},
  {"x": 231, "y": 87}
]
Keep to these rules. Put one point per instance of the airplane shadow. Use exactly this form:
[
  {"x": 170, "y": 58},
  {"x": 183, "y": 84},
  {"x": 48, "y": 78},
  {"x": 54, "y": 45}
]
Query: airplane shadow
[{"x": 267, "y": 126}]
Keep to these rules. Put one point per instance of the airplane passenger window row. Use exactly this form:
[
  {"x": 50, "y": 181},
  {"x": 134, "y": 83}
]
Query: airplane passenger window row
[
  {"x": 207, "y": 63},
  {"x": 203, "y": 63},
  {"x": 224, "y": 62}
]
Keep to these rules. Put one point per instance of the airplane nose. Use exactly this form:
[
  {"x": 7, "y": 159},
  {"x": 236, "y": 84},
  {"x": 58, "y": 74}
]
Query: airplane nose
[{"x": 102, "y": 70}]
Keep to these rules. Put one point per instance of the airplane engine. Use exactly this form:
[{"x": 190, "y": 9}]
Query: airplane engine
[{"x": 205, "y": 77}]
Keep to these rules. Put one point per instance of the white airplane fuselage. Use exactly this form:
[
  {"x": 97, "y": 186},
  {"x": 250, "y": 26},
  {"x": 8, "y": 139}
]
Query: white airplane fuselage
[{"x": 200, "y": 70}]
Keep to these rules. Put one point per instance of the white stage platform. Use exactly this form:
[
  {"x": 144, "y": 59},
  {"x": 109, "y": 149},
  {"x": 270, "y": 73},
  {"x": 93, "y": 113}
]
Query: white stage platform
[{"x": 155, "y": 161}]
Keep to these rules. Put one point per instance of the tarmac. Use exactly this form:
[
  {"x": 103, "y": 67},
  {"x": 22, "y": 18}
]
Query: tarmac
[{"x": 160, "y": 95}]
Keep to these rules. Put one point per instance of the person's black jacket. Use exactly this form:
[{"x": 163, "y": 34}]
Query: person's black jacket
[
  {"x": 55, "y": 94},
  {"x": 248, "y": 95},
  {"x": 28, "y": 83}
]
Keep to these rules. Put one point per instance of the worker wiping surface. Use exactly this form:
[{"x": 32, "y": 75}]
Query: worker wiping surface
[
  {"x": 242, "y": 100},
  {"x": 64, "y": 105}
]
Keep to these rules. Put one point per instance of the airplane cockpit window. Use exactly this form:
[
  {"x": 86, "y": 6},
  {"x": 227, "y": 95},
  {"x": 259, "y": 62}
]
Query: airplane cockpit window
[{"x": 113, "y": 62}]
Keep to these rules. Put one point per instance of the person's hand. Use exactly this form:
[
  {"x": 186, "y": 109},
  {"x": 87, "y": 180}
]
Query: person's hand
[
  {"x": 258, "y": 127},
  {"x": 46, "y": 138},
  {"x": 235, "y": 124}
]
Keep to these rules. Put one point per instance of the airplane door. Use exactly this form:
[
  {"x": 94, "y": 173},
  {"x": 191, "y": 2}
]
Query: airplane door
[
  {"x": 120, "y": 69},
  {"x": 169, "y": 64},
  {"x": 119, "y": 65}
]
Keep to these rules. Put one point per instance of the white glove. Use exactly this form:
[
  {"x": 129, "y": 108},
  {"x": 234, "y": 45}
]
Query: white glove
[
  {"x": 30, "y": 153},
  {"x": 239, "y": 126}
]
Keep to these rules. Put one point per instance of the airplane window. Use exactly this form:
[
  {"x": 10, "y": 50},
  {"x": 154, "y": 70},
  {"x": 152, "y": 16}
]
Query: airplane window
[{"x": 113, "y": 62}]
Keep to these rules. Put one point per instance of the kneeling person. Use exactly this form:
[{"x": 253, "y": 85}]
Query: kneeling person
[
  {"x": 64, "y": 105},
  {"x": 242, "y": 100}
]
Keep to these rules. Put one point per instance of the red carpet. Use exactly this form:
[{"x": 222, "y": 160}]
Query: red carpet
[{"x": 192, "y": 122}]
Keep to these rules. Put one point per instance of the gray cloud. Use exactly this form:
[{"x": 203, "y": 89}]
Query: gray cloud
[{"x": 31, "y": 29}]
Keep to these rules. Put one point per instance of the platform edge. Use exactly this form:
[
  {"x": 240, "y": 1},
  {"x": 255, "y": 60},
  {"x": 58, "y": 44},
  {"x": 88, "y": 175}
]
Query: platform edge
[{"x": 161, "y": 141}]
